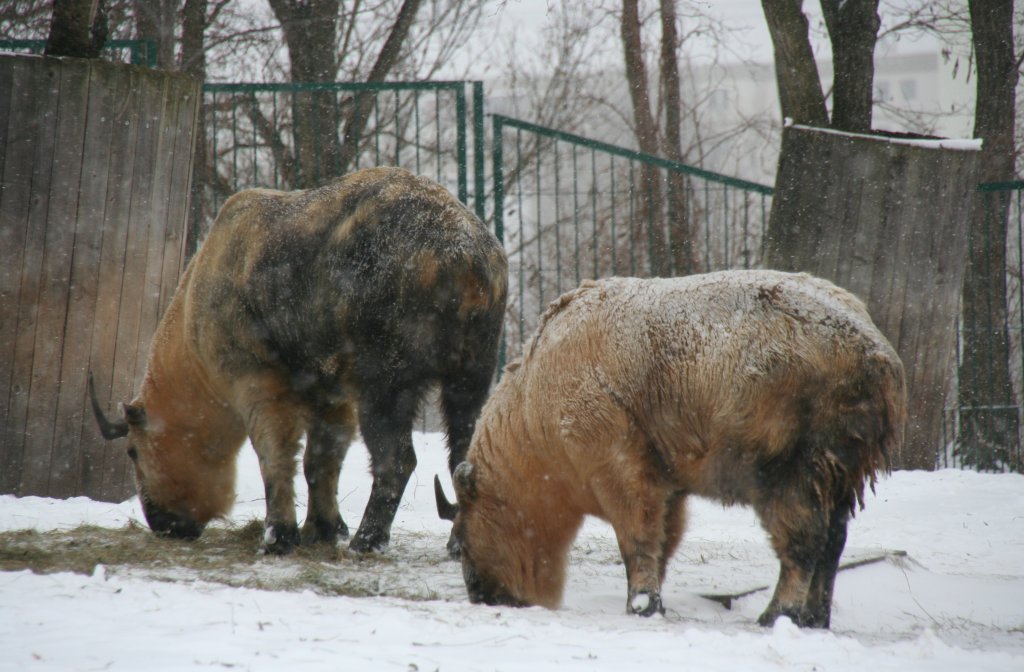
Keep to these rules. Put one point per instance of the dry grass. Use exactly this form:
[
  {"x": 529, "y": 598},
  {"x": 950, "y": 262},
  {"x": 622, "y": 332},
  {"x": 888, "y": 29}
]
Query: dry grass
[{"x": 416, "y": 568}]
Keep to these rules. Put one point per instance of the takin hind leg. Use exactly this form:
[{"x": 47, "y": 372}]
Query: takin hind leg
[
  {"x": 819, "y": 597},
  {"x": 385, "y": 421},
  {"x": 327, "y": 442},
  {"x": 675, "y": 526},
  {"x": 798, "y": 531}
]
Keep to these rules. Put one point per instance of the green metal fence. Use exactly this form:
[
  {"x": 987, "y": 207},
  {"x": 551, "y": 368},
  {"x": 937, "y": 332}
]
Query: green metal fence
[
  {"x": 254, "y": 135},
  {"x": 569, "y": 208},
  {"x": 138, "y": 52},
  {"x": 980, "y": 435}
]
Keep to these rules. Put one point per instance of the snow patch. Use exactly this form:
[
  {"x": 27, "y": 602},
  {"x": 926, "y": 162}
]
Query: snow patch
[{"x": 956, "y": 144}]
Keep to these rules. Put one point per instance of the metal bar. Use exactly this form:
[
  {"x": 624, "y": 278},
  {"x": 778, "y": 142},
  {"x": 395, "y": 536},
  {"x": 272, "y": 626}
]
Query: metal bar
[
  {"x": 614, "y": 240},
  {"x": 479, "y": 190},
  {"x": 460, "y": 144},
  {"x": 576, "y": 212},
  {"x": 245, "y": 87},
  {"x": 416, "y": 124},
  {"x": 636, "y": 156},
  {"x": 499, "y": 182},
  {"x": 593, "y": 208},
  {"x": 499, "y": 227},
  {"x": 1001, "y": 186},
  {"x": 632, "y": 218},
  {"x": 522, "y": 244},
  {"x": 398, "y": 131}
]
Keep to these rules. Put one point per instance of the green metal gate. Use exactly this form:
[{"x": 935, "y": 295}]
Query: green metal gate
[
  {"x": 431, "y": 128},
  {"x": 569, "y": 208}
]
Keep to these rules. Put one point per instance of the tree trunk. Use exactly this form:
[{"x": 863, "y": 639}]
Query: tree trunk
[
  {"x": 647, "y": 140},
  {"x": 853, "y": 28},
  {"x": 363, "y": 104},
  {"x": 989, "y": 424},
  {"x": 78, "y": 28},
  {"x": 795, "y": 69},
  {"x": 310, "y": 31},
  {"x": 155, "y": 20},
  {"x": 680, "y": 235},
  {"x": 193, "y": 62}
]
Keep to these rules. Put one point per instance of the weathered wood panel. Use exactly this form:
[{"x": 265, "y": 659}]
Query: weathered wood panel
[
  {"x": 95, "y": 184},
  {"x": 886, "y": 218}
]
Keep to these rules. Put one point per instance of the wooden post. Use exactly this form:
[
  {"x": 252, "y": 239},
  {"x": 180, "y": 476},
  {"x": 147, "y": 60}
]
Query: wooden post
[
  {"x": 886, "y": 218},
  {"x": 95, "y": 170}
]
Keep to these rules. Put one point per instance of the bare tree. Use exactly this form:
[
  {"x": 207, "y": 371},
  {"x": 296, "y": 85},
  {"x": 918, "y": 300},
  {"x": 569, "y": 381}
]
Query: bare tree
[
  {"x": 650, "y": 220},
  {"x": 853, "y": 29},
  {"x": 990, "y": 433},
  {"x": 78, "y": 28},
  {"x": 156, "y": 20},
  {"x": 386, "y": 59},
  {"x": 854, "y": 26}
]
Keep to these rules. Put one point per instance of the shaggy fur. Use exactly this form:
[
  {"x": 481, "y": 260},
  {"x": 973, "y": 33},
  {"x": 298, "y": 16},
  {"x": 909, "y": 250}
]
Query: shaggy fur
[
  {"x": 312, "y": 312},
  {"x": 760, "y": 388}
]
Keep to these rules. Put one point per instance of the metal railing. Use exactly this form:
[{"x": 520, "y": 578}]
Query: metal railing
[
  {"x": 569, "y": 208},
  {"x": 139, "y": 52},
  {"x": 252, "y": 135}
]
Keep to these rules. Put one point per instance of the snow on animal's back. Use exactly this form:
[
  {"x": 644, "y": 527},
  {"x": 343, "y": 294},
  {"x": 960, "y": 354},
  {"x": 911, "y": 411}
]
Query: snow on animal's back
[{"x": 748, "y": 320}]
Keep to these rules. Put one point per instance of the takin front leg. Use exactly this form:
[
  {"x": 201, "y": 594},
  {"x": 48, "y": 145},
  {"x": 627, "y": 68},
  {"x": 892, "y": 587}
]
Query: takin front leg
[
  {"x": 327, "y": 443},
  {"x": 275, "y": 436},
  {"x": 645, "y": 524},
  {"x": 386, "y": 424}
]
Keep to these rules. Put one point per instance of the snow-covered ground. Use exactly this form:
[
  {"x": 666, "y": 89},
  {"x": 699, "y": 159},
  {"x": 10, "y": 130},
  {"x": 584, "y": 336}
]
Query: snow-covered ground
[{"x": 956, "y": 602}]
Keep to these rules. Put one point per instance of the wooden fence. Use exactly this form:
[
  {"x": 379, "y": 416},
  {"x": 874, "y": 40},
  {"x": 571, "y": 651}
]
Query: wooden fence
[
  {"x": 887, "y": 219},
  {"x": 95, "y": 171}
]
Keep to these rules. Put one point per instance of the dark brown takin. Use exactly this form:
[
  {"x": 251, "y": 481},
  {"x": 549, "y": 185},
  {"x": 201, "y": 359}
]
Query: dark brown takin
[
  {"x": 313, "y": 313},
  {"x": 762, "y": 388}
]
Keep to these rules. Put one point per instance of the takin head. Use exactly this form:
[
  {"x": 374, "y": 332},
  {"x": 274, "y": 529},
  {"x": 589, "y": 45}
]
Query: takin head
[
  {"x": 492, "y": 577},
  {"x": 180, "y": 488}
]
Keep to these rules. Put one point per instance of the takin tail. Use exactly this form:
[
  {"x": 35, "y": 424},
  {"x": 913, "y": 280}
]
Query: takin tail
[{"x": 871, "y": 436}]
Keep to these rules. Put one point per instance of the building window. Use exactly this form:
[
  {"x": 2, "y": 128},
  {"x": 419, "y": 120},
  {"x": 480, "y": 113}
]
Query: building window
[
  {"x": 883, "y": 92},
  {"x": 908, "y": 88}
]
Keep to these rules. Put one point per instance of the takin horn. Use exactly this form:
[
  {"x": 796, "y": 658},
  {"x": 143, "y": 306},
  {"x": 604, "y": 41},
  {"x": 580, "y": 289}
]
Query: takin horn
[
  {"x": 109, "y": 430},
  {"x": 445, "y": 509}
]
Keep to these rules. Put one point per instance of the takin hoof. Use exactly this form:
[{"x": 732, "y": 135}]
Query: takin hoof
[
  {"x": 280, "y": 539},
  {"x": 799, "y": 617},
  {"x": 645, "y": 604},
  {"x": 324, "y": 532},
  {"x": 454, "y": 547}
]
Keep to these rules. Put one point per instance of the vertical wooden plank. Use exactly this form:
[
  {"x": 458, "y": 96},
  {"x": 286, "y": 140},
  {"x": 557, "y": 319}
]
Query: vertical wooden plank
[
  {"x": 20, "y": 99},
  {"x": 860, "y": 247},
  {"x": 40, "y": 132},
  {"x": 129, "y": 363},
  {"x": 161, "y": 146},
  {"x": 45, "y": 472},
  {"x": 7, "y": 94},
  {"x": 72, "y": 403},
  {"x": 185, "y": 125},
  {"x": 99, "y": 455}
]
